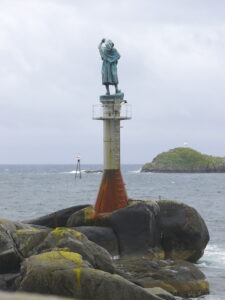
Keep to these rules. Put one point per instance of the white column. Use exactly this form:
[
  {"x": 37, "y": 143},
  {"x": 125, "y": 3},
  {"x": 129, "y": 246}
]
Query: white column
[{"x": 111, "y": 113}]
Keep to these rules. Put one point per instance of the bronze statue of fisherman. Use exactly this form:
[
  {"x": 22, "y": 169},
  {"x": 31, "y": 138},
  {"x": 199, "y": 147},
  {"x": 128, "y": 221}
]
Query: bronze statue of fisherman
[{"x": 110, "y": 58}]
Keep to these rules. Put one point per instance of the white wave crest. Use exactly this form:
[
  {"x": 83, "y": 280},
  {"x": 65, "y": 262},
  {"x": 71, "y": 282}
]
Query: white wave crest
[
  {"x": 135, "y": 172},
  {"x": 214, "y": 257},
  {"x": 75, "y": 172}
]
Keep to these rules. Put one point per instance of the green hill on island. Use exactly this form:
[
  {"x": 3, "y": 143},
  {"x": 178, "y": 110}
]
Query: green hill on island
[{"x": 185, "y": 160}]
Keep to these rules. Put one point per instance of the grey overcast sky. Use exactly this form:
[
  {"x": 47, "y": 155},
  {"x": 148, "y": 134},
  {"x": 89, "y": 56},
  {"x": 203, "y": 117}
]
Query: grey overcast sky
[{"x": 172, "y": 71}]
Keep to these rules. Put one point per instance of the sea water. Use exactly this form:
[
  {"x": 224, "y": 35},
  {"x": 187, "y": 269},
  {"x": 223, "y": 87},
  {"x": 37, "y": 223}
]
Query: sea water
[{"x": 30, "y": 191}]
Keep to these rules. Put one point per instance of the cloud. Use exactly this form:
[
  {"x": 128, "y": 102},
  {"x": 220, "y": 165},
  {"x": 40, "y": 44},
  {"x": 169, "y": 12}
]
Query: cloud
[{"x": 171, "y": 70}]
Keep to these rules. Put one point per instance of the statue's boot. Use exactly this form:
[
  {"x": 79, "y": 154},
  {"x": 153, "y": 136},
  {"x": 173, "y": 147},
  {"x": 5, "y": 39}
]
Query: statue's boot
[
  {"x": 107, "y": 90},
  {"x": 116, "y": 89}
]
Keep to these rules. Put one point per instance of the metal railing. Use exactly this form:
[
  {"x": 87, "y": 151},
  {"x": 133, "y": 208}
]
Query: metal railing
[{"x": 102, "y": 112}]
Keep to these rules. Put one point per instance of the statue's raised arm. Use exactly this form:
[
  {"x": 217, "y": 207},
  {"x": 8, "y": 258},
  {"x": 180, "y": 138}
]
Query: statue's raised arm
[
  {"x": 110, "y": 58},
  {"x": 100, "y": 46}
]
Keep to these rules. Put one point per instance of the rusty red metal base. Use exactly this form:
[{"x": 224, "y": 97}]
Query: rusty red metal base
[{"x": 112, "y": 194}]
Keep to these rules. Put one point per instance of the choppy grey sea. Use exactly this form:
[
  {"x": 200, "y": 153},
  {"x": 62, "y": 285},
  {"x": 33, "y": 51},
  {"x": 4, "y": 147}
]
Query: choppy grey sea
[{"x": 29, "y": 191}]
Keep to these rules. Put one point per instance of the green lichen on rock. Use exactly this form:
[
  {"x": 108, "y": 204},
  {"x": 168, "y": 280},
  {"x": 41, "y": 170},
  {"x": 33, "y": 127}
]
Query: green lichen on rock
[
  {"x": 185, "y": 160},
  {"x": 28, "y": 239},
  {"x": 84, "y": 217},
  {"x": 72, "y": 256},
  {"x": 26, "y": 230},
  {"x": 59, "y": 233}
]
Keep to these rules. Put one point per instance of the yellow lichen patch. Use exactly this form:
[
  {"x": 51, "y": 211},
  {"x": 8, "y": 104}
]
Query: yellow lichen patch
[
  {"x": 182, "y": 289},
  {"x": 116, "y": 276},
  {"x": 78, "y": 235},
  {"x": 72, "y": 256},
  {"x": 60, "y": 231},
  {"x": 171, "y": 202},
  {"x": 63, "y": 249},
  {"x": 191, "y": 289},
  {"x": 99, "y": 271},
  {"x": 77, "y": 272},
  {"x": 156, "y": 253},
  {"x": 89, "y": 213},
  {"x": 148, "y": 283},
  {"x": 27, "y": 230},
  {"x": 75, "y": 257}
]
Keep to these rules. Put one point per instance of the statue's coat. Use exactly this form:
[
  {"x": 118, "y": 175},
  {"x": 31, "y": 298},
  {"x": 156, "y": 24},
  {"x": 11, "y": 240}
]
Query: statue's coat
[{"x": 109, "y": 66}]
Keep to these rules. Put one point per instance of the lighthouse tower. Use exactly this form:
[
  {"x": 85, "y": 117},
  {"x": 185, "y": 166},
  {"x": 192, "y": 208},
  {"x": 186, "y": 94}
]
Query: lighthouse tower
[{"x": 112, "y": 192}]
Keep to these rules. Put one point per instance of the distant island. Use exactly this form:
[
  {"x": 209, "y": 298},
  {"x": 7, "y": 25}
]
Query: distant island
[{"x": 185, "y": 160}]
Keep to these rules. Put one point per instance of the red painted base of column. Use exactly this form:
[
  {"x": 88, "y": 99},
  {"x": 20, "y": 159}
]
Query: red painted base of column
[{"x": 112, "y": 194}]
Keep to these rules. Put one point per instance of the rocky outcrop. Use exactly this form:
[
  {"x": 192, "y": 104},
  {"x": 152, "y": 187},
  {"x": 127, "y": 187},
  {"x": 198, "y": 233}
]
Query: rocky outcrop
[
  {"x": 185, "y": 160},
  {"x": 160, "y": 229},
  {"x": 180, "y": 278},
  {"x": 65, "y": 273},
  {"x": 76, "y": 261}
]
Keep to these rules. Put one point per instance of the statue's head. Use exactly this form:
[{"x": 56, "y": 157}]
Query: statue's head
[{"x": 109, "y": 45}]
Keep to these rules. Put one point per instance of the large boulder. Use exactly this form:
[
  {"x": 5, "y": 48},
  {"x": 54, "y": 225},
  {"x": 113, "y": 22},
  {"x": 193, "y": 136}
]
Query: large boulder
[
  {"x": 136, "y": 229},
  {"x": 162, "y": 229},
  {"x": 57, "y": 218},
  {"x": 184, "y": 233},
  {"x": 10, "y": 257},
  {"x": 67, "y": 274},
  {"x": 35, "y": 241},
  {"x": 102, "y": 236},
  {"x": 180, "y": 278}
]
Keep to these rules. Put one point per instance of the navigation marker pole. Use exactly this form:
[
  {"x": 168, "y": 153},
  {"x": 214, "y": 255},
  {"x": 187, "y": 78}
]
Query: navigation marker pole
[{"x": 78, "y": 169}]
